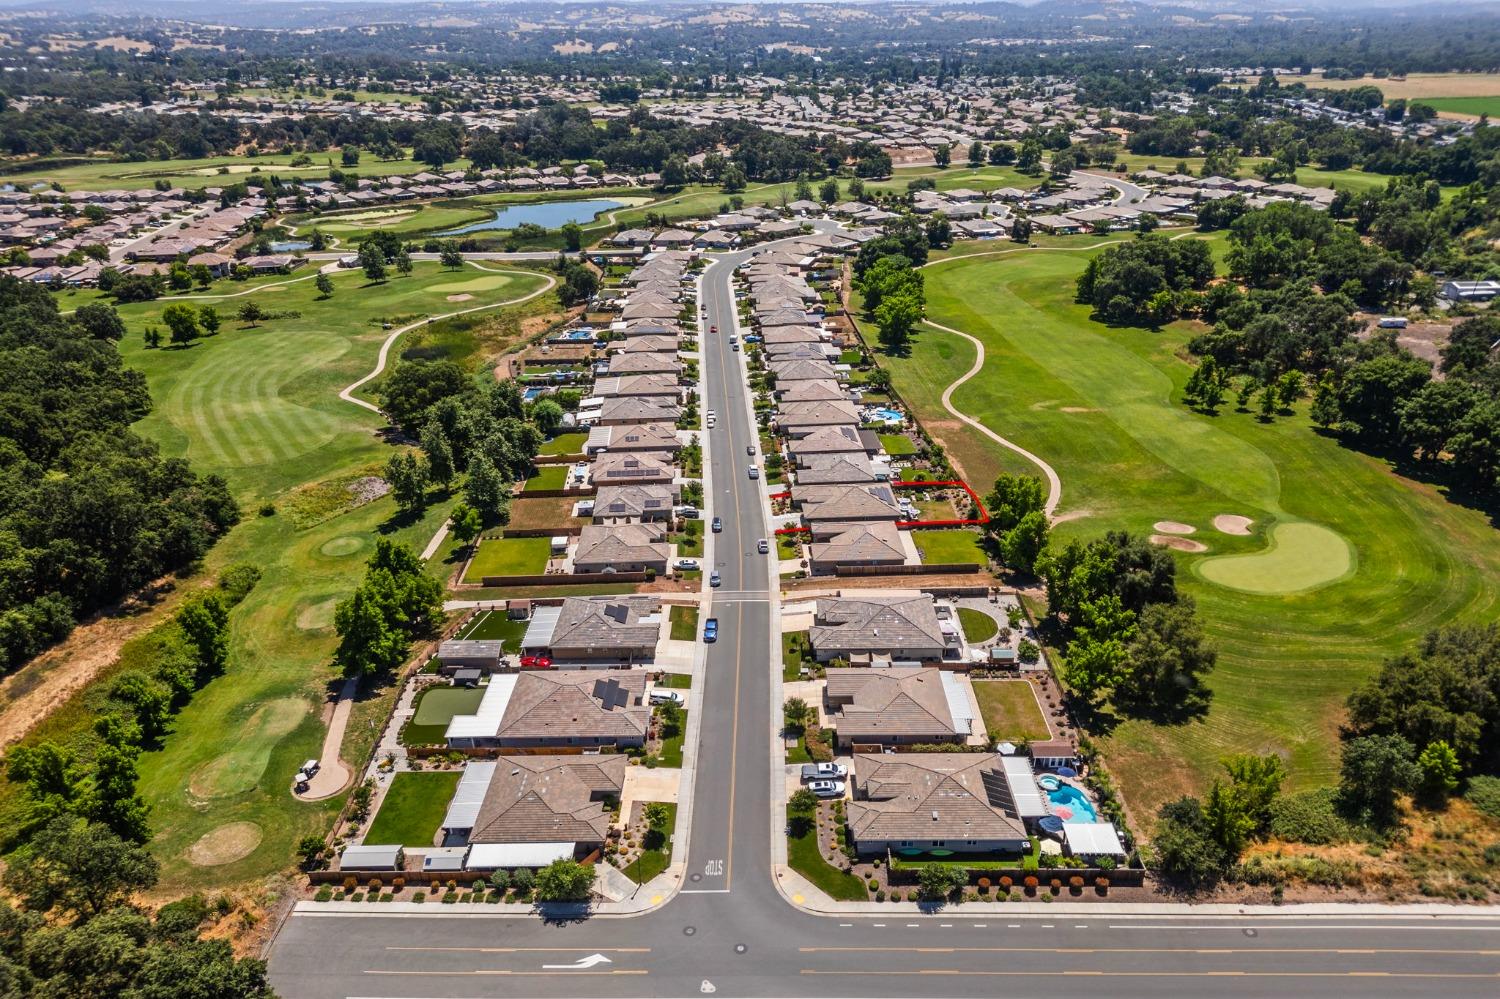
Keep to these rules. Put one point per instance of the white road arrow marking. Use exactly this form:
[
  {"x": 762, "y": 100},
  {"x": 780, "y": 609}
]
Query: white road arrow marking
[
  {"x": 580, "y": 964},
  {"x": 708, "y": 987}
]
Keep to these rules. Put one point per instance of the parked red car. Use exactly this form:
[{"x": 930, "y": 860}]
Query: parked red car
[{"x": 535, "y": 662}]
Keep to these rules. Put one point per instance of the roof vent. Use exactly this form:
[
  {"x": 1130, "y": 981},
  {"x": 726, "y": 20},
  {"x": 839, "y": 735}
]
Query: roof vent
[{"x": 934, "y": 815}]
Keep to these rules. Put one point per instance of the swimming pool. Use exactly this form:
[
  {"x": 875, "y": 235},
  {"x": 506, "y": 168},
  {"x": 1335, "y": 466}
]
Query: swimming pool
[
  {"x": 1072, "y": 805},
  {"x": 889, "y": 415}
]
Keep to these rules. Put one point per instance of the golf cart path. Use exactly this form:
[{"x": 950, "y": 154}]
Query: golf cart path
[
  {"x": 385, "y": 348},
  {"x": 333, "y": 773},
  {"x": 1054, "y": 484}
]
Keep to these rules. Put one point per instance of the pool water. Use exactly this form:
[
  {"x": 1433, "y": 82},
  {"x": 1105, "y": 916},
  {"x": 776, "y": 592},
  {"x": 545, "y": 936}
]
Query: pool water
[
  {"x": 547, "y": 214},
  {"x": 889, "y": 415},
  {"x": 1075, "y": 801}
]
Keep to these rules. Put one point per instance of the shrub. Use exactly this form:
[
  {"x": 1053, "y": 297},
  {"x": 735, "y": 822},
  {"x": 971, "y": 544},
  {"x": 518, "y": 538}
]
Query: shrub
[
  {"x": 913, "y": 895},
  {"x": 351, "y": 883},
  {"x": 1310, "y": 817},
  {"x": 1006, "y": 882},
  {"x": 397, "y": 883},
  {"x": 1101, "y": 884},
  {"x": 324, "y": 894},
  {"x": 1484, "y": 794},
  {"x": 420, "y": 896},
  {"x": 374, "y": 885},
  {"x": 1055, "y": 884},
  {"x": 874, "y": 884},
  {"x": 358, "y": 896},
  {"x": 1075, "y": 882},
  {"x": 879, "y": 894},
  {"x": 1031, "y": 882}
]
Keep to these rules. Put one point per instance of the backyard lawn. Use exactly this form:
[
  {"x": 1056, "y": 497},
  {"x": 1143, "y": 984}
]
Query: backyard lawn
[
  {"x": 547, "y": 477},
  {"x": 509, "y": 557},
  {"x": 1010, "y": 711},
  {"x": 978, "y": 626},
  {"x": 684, "y": 623},
  {"x": 1102, "y": 406},
  {"x": 492, "y": 625},
  {"x": 434, "y": 709},
  {"x": 413, "y": 808},
  {"x": 949, "y": 547},
  {"x": 897, "y": 445},
  {"x": 564, "y": 444}
]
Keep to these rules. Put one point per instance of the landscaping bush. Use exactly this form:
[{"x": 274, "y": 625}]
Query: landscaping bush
[
  {"x": 1005, "y": 883},
  {"x": 1031, "y": 883},
  {"x": 1055, "y": 884},
  {"x": 324, "y": 894},
  {"x": 397, "y": 883},
  {"x": 358, "y": 896},
  {"x": 420, "y": 896},
  {"x": 350, "y": 883},
  {"x": 1075, "y": 883},
  {"x": 1311, "y": 817},
  {"x": 1101, "y": 884},
  {"x": 879, "y": 894},
  {"x": 375, "y": 885}
]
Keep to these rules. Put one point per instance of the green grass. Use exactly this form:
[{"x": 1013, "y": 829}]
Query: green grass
[
  {"x": 1464, "y": 105},
  {"x": 263, "y": 401},
  {"x": 413, "y": 808},
  {"x": 684, "y": 623},
  {"x": 547, "y": 477},
  {"x": 101, "y": 174},
  {"x": 260, "y": 407},
  {"x": 434, "y": 709},
  {"x": 652, "y": 862},
  {"x": 978, "y": 626},
  {"x": 676, "y": 681},
  {"x": 491, "y": 625},
  {"x": 1103, "y": 406},
  {"x": 689, "y": 540},
  {"x": 959, "y": 174},
  {"x": 948, "y": 547},
  {"x": 564, "y": 444},
  {"x": 401, "y": 219},
  {"x": 1010, "y": 711},
  {"x": 671, "y": 748},
  {"x": 1301, "y": 556},
  {"x": 509, "y": 557},
  {"x": 897, "y": 445},
  {"x": 804, "y": 858},
  {"x": 792, "y": 644}
]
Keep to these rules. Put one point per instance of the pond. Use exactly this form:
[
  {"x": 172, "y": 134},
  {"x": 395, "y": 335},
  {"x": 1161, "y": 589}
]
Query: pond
[
  {"x": 547, "y": 214},
  {"x": 290, "y": 246}
]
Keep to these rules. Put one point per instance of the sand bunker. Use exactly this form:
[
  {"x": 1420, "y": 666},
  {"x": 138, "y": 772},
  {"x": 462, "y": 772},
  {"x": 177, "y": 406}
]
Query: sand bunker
[
  {"x": 225, "y": 844},
  {"x": 1173, "y": 527},
  {"x": 1077, "y": 409},
  {"x": 1181, "y": 544},
  {"x": 460, "y": 298},
  {"x": 1230, "y": 523}
]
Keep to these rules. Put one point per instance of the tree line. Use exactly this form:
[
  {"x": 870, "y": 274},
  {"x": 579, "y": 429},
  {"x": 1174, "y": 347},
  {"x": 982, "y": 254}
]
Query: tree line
[{"x": 89, "y": 510}]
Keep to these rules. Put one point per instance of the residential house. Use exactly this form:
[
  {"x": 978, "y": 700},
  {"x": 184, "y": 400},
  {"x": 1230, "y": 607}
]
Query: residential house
[
  {"x": 901, "y": 625},
  {"x": 607, "y": 548},
  {"x": 960, "y": 802},
  {"x": 875, "y": 709},
  {"x": 561, "y": 710},
  {"x": 598, "y": 629},
  {"x": 531, "y": 810}
]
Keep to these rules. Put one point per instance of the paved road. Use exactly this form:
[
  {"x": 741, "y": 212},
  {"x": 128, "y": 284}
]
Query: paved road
[
  {"x": 1129, "y": 193},
  {"x": 731, "y": 928}
]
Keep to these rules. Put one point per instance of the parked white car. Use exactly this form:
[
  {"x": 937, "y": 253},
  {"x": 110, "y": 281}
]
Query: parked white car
[
  {"x": 824, "y": 771},
  {"x": 660, "y": 696},
  {"x": 687, "y": 563},
  {"x": 827, "y": 788}
]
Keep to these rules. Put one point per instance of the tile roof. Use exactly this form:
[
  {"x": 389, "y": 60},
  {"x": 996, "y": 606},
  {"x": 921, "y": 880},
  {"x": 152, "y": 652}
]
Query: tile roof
[
  {"x": 926, "y": 796},
  {"x": 549, "y": 799}
]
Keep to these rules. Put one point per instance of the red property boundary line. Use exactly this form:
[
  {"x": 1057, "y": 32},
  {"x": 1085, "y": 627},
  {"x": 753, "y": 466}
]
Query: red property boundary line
[{"x": 983, "y": 518}]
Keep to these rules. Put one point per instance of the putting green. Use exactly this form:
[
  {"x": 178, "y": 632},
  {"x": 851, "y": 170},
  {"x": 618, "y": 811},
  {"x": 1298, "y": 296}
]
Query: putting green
[
  {"x": 346, "y": 544},
  {"x": 488, "y": 282},
  {"x": 1301, "y": 556},
  {"x": 438, "y": 705},
  {"x": 240, "y": 769}
]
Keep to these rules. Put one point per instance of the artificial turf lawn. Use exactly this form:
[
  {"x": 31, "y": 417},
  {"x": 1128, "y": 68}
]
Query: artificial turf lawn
[
  {"x": 413, "y": 808},
  {"x": 435, "y": 708},
  {"x": 949, "y": 547},
  {"x": 1010, "y": 711},
  {"x": 1103, "y": 406},
  {"x": 978, "y": 626},
  {"x": 509, "y": 557},
  {"x": 492, "y": 625},
  {"x": 684, "y": 623}
]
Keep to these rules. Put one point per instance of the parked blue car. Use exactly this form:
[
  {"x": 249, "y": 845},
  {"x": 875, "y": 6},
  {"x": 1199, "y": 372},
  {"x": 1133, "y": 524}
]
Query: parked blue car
[{"x": 711, "y": 630}]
